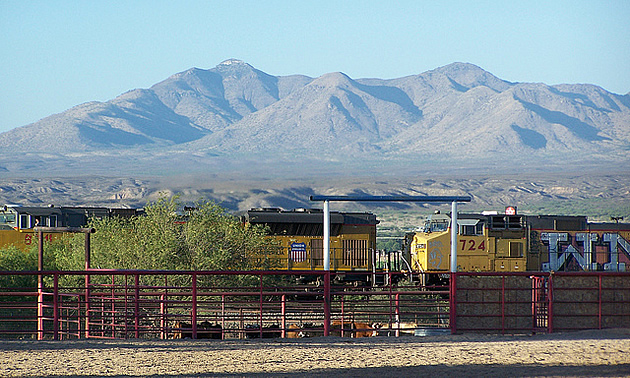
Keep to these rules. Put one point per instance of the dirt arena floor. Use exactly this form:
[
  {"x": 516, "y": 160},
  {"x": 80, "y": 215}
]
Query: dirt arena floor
[{"x": 579, "y": 354}]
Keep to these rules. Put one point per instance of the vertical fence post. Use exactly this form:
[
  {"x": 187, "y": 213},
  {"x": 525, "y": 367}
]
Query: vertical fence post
[
  {"x": 454, "y": 231},
  {"x": 137, "y": 306},
  {"x": 194, "y": 305},
  {"x": 535, "y": 302},
  {"x": 260, "y": 318},
  {"x": 40, "y": 287},
  {"x": 326, "y": 302},
  {"x": 453, "y": 303},
  {"x": 87, "y": 285},
  {"x": 391, "y": 309},
  {"x": 87, "y": 305},
  {"x": 326, "y": 235},
  {"x": 112, "y": 306},
  {"x": 222, "y": 315},
  {"x": 56, "y": 307},
  {"x": 164, "y": 311},
  {"x": 163, "y": 320},
  {"x": 397, "y": 313},
  {"x": 550, "y": 304}
]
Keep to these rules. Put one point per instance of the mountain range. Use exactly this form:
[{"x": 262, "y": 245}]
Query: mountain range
[{"x": 236, "y": 114}]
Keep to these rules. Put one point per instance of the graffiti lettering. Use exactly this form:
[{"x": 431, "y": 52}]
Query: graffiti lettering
[{"x": 582, "y": 248}]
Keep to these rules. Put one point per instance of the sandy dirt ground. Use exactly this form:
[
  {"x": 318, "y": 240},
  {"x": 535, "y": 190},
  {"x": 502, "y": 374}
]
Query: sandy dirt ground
[{"x": 585, "y": 354}]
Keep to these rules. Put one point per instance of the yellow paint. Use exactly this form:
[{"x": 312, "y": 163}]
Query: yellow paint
[
  {"x": 351, "y": 250},
  {"x": 23, "y": 239},
  {"x": 430, "y": 252}
]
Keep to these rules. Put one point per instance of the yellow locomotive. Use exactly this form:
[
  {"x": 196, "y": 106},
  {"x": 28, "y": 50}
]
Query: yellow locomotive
[
  {"x": 17, "y": 222},
  {"x": 299, "y": 234},
  {"x": 485, "y": 243}
]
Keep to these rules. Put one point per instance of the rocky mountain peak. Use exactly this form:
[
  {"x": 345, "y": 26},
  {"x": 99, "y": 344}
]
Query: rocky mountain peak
[
  {"x": 458, "y": 111},
  {"x": 464, "y": 76},
  {"x": 233, "y": 62},
  {"x": 234, "y": 66}
]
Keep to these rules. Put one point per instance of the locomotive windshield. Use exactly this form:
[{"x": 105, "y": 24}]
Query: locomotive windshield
[
  {"x": 7, "y": 220},
  {"x": 436, "y": 223}
]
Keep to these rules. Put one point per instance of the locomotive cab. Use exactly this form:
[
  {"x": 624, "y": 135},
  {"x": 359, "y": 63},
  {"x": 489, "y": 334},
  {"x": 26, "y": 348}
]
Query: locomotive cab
[{"x": 484, "y": 244}]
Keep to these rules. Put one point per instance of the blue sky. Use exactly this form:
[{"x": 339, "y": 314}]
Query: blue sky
[{"x": 57, "y": 54}]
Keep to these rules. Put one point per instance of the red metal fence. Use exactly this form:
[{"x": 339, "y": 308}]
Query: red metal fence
[
  {"x": 167, "y": 304},
  {"x": 224, "y": 305},
  {"x": 539, "y": 302}
]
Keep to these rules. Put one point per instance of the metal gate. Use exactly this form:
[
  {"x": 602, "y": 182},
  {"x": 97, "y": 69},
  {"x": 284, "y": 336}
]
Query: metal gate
[{"x": 540, "y": 303}]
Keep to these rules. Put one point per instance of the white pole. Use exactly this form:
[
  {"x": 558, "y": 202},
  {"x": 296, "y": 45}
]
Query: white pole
[
  {"x": 326, "y": 235},
  {"x": 454, "y": 228}
]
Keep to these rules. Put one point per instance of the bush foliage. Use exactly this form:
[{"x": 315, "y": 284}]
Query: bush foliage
[
  {"x": 206, "y": 238},
  {"x": 14, "y": 259}
]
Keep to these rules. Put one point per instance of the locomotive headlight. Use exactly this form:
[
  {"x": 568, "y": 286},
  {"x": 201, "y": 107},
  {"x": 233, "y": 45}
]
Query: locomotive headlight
[{"x": 421, "y": 246}]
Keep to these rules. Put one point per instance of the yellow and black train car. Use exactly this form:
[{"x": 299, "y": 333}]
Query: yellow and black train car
[{"x": 299, "y": 234}]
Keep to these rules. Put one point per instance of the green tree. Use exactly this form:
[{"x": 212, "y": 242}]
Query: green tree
[
  {"x": 215, "y": 240},
  {"x": 14, "y": 259},
  {"x": 206, "y": 238}
]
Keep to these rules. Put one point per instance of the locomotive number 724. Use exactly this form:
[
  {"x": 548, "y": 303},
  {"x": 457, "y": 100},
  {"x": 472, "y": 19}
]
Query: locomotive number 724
[{"x": 472, "y": 245}]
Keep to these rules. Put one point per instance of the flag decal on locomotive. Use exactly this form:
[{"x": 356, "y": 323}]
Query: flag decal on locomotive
[{"x": 298, "y": 252}]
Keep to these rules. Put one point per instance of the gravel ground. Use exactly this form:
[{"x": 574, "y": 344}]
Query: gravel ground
[{"x": 604, "y": 353}]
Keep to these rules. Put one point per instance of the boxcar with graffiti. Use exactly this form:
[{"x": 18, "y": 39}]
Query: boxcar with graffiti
[{"x": 571, "y": 243}]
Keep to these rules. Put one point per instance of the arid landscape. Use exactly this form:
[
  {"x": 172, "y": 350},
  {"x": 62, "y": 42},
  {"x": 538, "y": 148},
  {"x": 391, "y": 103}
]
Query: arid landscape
[
  {"x": 601, "y": 353},
  {"x": 597, "y": 195}
]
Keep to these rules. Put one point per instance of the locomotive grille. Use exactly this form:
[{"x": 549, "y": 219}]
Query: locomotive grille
[
  {"x": 355, "y": 252},
  {"x": 317, "y": 252}
]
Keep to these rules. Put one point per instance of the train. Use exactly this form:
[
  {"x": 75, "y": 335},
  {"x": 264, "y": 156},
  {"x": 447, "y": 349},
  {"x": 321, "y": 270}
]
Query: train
[
  {"x": 300, "y": 246},
  {"x": 509, "y": 242},
  {"x": 486, "y": 242}
]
